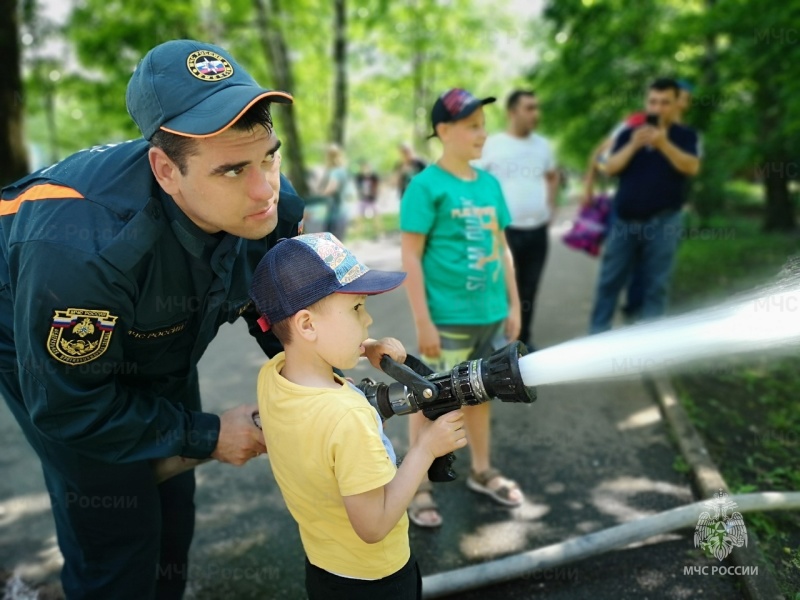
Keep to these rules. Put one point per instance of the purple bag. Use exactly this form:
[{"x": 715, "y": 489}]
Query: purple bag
[{"x": 590, "y": 228}]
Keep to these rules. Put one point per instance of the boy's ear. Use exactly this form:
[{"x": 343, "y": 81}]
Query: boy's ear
[{"x": 303, "y": 324}]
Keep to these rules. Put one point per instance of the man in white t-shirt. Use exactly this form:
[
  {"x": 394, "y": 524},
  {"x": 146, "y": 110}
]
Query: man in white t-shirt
[{"x": 523, "y": 162}]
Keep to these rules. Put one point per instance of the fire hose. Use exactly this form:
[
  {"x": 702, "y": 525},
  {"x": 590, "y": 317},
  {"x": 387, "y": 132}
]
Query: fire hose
[{"x": 569, "y": 551}]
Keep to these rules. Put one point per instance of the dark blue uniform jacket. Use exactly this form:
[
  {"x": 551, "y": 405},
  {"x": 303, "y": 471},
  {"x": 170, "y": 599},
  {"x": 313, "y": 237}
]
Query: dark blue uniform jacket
[{"x": 109, "y": 295}]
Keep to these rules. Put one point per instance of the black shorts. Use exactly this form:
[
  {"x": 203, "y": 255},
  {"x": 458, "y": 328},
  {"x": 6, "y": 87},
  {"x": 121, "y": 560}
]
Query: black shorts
[{"x": 405, "y": 584}]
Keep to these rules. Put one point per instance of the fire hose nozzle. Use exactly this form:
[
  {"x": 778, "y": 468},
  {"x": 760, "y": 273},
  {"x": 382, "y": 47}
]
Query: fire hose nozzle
[{"x": 418, "y": 388}]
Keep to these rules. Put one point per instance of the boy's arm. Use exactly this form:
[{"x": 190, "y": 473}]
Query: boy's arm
[
  {"x": 412, "y": 248},
  {"x": 591, "y": 171},
  {"x": 330, "y": 187},
  {"x": 375, "y": 513},
  {"x": 514, "y": 319},
  {"x": 552, "y": 179}
]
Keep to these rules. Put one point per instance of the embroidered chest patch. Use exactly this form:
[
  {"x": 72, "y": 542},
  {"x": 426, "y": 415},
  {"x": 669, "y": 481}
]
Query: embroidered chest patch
[
  {"x": 158, "y": 334},
  {"x": 78, "y": 335}
]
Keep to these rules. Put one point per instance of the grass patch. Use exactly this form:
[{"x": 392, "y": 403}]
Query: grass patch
[
  {"x": 749, "y": 413},
  {"x": 728, "y": 256},
  {"x": 361, "y": 228},
  {"x": 744, "y": 194}
]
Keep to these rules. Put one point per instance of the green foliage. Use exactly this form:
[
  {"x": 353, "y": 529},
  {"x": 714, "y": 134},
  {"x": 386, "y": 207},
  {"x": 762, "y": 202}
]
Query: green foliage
[
  {"x": 589, "y": 60},
  {"x": 598, "y": 56},
  {"x": 394, "y": 48},
  {"x": 795, "y": 556},
  {"x": 361, "y": 228},
  {"x": 679, "y": 465},
  {"x": 763, "y": 524},
  {"x": 425, "y": 46}
]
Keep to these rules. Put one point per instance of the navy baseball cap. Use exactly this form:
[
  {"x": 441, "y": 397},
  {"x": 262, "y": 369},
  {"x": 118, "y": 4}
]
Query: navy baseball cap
[
  {"x": 455, "y": 104},
  {"x": 192, "y": 89},
  {"x": 299, "y": 271}
]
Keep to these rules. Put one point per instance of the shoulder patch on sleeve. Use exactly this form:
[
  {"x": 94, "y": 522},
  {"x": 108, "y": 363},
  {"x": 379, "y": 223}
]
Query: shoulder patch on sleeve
[{"x": 79, "y": 335}]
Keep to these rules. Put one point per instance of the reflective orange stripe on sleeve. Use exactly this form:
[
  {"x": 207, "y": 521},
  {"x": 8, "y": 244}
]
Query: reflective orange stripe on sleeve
[{"x": 44, "y": 191}]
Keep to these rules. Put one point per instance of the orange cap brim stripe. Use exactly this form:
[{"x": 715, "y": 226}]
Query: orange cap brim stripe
[
  {"x": 232, "y": 121},
  {"x": 44, "y": 191}
]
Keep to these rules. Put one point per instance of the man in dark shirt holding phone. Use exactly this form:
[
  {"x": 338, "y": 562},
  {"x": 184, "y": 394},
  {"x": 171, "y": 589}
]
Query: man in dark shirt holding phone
[{"x": 653, "y": 162}]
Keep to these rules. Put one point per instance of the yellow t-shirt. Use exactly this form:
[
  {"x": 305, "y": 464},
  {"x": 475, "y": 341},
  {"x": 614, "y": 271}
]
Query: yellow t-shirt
[{"x": 324, "y": 444}]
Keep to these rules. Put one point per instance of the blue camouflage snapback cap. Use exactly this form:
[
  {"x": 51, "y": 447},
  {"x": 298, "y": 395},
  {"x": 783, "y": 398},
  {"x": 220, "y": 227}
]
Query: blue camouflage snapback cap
[{"x": 299, "y": 271}]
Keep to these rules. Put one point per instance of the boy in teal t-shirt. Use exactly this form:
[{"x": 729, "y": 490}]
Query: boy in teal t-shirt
[
  {"x": 461, "y": 283},
  {"x": 462, "y": 222}
]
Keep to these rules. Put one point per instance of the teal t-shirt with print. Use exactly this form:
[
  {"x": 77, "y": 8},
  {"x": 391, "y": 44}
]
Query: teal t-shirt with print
[{"x": 463, "y": 258}]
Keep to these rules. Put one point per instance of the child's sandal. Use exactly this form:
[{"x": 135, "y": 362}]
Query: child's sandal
[
  {"x": 419, "y": 506},
  {"x": 479, "y": 482}
]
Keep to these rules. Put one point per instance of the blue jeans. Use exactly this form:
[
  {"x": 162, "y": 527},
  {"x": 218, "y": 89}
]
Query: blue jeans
[
  {"x": 635, "y": 293},
  {"x": 652, "y": 243}
]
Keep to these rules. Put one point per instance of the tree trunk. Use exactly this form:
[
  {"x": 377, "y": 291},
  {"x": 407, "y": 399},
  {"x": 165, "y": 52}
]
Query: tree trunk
[
  {"x": 779, "y": 209},
  {"x": 13, "y": 155},
  {"x": 703, "y": 111},
  {"x": 421, "y": 123},
  {"x": 274, "y": 46},
  {"x": 776, "y": 168},
  {"x": 707, "y": 192},
  {"x": 418, "y": 95},
  {"x": 340, "y": 77},
  {"x": 50, "y": 118}
]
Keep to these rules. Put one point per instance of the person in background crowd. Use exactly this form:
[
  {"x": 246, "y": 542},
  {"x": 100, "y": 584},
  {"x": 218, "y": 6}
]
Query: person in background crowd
[
  {"x": 409, "y": 166},
  {"x": 653, "y": 162},
  {"x": 368, "y": 184},
  {"x": 334, "y": 185},
  {"x": 634, "y": 296},
  {"x": 523, "y": 162}
]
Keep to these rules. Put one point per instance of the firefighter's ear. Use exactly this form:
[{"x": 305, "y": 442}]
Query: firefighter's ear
[{"x": 166, "y": 172}]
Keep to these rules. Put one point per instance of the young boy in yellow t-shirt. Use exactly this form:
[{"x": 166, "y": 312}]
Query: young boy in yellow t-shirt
[{"x": 335, "y": 467}]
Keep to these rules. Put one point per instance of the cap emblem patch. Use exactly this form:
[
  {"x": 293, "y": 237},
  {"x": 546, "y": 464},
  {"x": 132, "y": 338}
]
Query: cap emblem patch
[{"x": 208, "y": 66}]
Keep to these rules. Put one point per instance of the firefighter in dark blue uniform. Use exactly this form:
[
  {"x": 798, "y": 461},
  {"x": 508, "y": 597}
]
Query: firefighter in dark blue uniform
[{"x": 117, "y": 267}]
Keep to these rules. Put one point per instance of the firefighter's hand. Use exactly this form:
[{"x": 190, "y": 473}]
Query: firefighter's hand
[{"x": 240, "y": 439}]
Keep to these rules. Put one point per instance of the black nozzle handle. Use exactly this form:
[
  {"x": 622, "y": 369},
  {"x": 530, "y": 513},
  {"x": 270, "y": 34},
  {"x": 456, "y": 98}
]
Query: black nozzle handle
[
  {"x": 441, "y": 470},
  {"x": 421, "y": 387},
  {"x": 412, "y": 375}
]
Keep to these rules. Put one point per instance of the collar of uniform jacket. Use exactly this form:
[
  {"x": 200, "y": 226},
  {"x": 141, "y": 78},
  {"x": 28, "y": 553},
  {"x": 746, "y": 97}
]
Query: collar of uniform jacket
[{"x": 197, "y": 242}]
